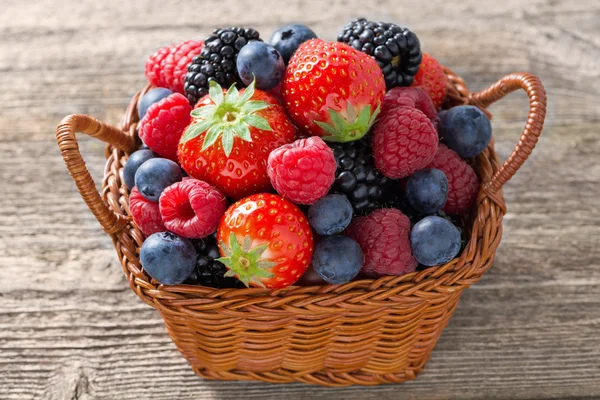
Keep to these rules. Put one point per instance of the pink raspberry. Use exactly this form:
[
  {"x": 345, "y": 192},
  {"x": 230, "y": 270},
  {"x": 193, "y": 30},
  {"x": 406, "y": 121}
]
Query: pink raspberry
[
  {"x": 302, "y": 171},
  {"x": 192, "y": 208},
  {"x": 167, "y": 66},
  {"x": 384, "y": 237},
  {"x": 164, "y": 123},
  {"x": 404, "y": 141},
  {"x": 463, "y": 184},
  {"x": 145, "y": 213},
  {"x": 415, "y": 97}
]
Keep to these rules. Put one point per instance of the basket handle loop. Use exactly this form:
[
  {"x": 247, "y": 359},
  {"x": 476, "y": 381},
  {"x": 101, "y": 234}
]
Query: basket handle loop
[
  {"x": 67, "y": 143},
  {"x": 533, "y": 128}
]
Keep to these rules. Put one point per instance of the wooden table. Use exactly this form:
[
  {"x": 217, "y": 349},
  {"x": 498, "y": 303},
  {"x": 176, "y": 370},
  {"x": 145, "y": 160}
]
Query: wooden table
[{"x": 71, "y": 328}]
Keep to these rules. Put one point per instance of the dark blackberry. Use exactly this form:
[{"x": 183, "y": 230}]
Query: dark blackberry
[
  {"x": 217, "y": 61},
  {"x": 356, "y": 176},
  {"x": 397, "y": 50},
  {"x": 209, "y": 272}
]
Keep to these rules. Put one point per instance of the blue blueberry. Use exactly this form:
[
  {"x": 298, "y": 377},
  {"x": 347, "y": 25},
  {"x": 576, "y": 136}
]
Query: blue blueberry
[
  {"x": 288, "y": 38},
  {"x": 151, "y": 97},
  {"x": 330, "y": 215},
  {"x": 434, "y": 241},
  {"x": 337, "y": 259},
  {"x": 261, "y": 61},
  {"x": 154, "y": 175},
  {"x": 133, "y": 163},
  {"x": 427, "y": 190},
  {"x": 168, "y": 258},
  {"x": 466, "y": 130}
]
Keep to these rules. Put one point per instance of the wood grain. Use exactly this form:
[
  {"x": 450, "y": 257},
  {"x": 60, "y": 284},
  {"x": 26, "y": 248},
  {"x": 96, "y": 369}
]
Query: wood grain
[{"x": 70, "y": 328}]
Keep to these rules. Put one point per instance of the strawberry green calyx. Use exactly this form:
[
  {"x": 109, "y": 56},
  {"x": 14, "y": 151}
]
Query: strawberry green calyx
[
  {"x": 246, "y": 263},
  {"x": 349, "y": 127},
  {"x": 231, "y": 116}
]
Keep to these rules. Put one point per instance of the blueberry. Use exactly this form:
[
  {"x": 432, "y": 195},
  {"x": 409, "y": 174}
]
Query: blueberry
[
  {"x": 288, "y": 38},
  {"x": 337, "y": 259},
  {"x": 151, "y": 97},
  {"x": 168, "y": 258},
  {"x": 466, "y": 130},
  {"x": 133, "y": 163},
  {"x": 427, "y": 190},
  {"x": 330, "y": 215},
  {"x": 261, "y": 61},
  {"x": 154, "y": 175},
  {"x": 434, "y": 241}
]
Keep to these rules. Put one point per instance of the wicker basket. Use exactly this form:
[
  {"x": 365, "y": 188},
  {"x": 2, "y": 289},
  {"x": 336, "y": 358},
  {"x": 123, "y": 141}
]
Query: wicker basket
[{"x": 365, "y": 332}]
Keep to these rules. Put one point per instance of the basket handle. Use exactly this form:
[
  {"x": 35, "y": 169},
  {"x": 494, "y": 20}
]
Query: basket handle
[
  {"x": 67, "y": 143},
  {"x": 533, "y": 128}
]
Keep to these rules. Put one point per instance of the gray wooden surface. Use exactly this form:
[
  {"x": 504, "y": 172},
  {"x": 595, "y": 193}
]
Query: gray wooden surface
[{"x": 70, "y": 327}]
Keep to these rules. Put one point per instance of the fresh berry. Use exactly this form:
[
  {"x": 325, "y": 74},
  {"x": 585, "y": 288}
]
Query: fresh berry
[
  {"x": 230, "y": 138},
  {"x": 330, "y": 215},
  {"x": 383, "y": 237},
  {"x": 434, "y": 241},
  {"x": 155, "y": 175},
  {"x": 415, "y": 97},
  {"x": 265, "y": 241},
  {"x": 404, "y": 141},
  {"x": 152, "y": 96},
  {"x": 427, "y": 190},
  {"x": 397, "y": 50},
  {"x": 463, "y": 184},
  {"x": 168, "y": 258},
  {"x": 288, "y": 38},
  {"x": 209, "y": 271},
  {"x": 302, "y": 171},
  {"x": 432, "y": 79},
  {"x": 332, "y": 90},
  {"x": 168, "y": 66},
  {"x": 260, "y": 61},
  {"x": 192, "y": 208},
  {"x": 164, "y": 124},
  {"x": 145, "y": 213},
  {"x": 357, "y": 178},
  {"x": 466, "y": 130},
  {"x": 134, "y": 161},
  {"x": 337, "y": 259},
  {"x": 217, "y": 61}
]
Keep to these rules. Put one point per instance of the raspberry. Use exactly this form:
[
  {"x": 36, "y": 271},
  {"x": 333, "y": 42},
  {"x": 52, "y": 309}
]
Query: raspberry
[
  {"x": 432, "y": 79},
  {"x": 302, "y": 171},
  {"x": 384, "y": 239},
  {"x": 145, "y": 213},
  {"x": 192, "y": 208},
  {"x": 404, "y": 141},
  {"x": 164, "y": 124},
  {"x": 167, "y": 66},
  {"x": 411, "y": 97},
  {"x": 463, "y": 184}
]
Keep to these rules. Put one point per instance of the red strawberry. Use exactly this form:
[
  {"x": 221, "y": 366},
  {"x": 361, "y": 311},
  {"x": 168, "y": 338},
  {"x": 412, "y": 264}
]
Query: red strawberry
[
  {"x": 167, "y": 66},
  {"x": 265, "y": 241},
  {"x": 230, "y": 138},
  {"x": 432, "y": 78},
  {"x": 384, "y": 239},
  {"x": 145, "y": 213},
  {"x": 332, "y": 90},
  {"x": 463, "y": 184}
]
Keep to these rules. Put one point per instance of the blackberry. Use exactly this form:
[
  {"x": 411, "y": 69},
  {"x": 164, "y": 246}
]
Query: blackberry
[
  {"x": 217, "y": 61},
  {"x": 208, "y": 271},
  {"x": 356, "y": 176},
  {"x": 397, "y": 50}
]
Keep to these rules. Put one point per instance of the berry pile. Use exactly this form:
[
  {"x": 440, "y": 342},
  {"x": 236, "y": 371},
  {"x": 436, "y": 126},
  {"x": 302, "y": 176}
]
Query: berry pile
[{"x": 300, "y": 161}]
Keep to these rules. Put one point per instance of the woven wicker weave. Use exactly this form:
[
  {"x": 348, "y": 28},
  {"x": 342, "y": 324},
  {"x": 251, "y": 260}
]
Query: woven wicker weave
[{"x": 365, "y": 332}]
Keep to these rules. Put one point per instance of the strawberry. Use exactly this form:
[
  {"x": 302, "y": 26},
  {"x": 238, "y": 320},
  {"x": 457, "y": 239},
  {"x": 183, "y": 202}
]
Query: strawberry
[
  {"x": 265, "y": 241},
  {"x": 249, "y": 124},
  {"x": 332, "y": 90},
  {"x": 432, "y": 78}
]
